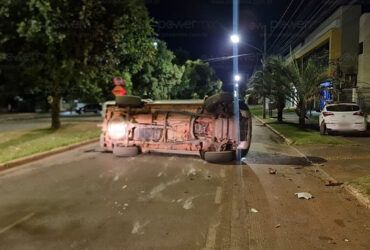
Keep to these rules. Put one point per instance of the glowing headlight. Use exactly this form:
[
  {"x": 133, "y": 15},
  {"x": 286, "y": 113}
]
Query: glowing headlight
[{"x": 117, "y": 129}]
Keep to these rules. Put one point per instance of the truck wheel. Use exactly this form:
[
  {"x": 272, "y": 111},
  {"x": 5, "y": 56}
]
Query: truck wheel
[
  {"x": 102, "y": 142},
  {"x": 246, "y": 132},
  {"x": 212, "y": 103},
  {"x": 323, "y": 130},
  {"x": 128, "y": 101},
  {"x": 219, "y": 157},
  {"x": 125, "y": 151}
]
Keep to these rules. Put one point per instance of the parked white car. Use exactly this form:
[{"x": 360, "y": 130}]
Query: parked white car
[{"x": 342, "y": 117}]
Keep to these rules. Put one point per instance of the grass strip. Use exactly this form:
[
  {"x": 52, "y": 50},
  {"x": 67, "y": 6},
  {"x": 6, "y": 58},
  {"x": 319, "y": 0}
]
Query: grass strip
[{"x": 18, "y": 144}]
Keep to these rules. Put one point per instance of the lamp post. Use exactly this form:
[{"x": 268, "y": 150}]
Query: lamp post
[
  {"x": 155, "y": 44},
  {"x": 235, "y": 40}
]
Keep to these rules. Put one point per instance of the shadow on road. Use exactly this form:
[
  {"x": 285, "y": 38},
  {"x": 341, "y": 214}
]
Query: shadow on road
[{"x": 280, "y": 159}]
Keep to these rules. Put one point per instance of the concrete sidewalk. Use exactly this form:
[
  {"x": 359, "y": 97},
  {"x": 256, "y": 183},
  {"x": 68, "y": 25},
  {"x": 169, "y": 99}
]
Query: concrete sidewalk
[{"x": 344, "y": 163}]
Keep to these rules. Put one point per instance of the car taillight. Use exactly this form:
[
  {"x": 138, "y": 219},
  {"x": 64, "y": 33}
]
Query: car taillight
[
  {"x": 327, "y": 114},
  {"x": 359, "y": 113}
]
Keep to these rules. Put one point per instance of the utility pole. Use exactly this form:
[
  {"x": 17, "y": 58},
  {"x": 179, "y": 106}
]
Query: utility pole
[
  {"x": 264, "y": 58},
  {"x": 236, "y": 77}
]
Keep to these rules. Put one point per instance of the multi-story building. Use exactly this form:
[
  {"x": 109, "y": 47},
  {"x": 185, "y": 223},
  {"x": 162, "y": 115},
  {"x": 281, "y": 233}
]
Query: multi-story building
[{"x": 344, "y": 38}]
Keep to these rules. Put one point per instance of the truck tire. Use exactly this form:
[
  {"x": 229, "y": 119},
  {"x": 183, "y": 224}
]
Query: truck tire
[
  {"x": 126, "y": 151},
  {"x": 219, "y": 157},
  {"x": 212, "y": 104},
  {"x": 128, "y": 101},
  {"x": 323, "y": 130},
  {"x": 102, "y": 142},
  {"x": 247, "y": 136}
]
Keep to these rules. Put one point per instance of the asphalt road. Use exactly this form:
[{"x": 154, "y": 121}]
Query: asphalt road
[{"x": 85, "y": 199}]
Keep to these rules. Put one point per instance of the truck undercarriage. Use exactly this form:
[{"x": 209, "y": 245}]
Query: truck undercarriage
[{"x": 192, "y": 127}]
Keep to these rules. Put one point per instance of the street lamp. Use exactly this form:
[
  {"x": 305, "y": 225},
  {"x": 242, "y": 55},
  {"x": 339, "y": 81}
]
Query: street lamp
[
  {"x": 235, "y": 38},
  {"x": 237, "y": 78},
  {"x": 155, "y": 44}
]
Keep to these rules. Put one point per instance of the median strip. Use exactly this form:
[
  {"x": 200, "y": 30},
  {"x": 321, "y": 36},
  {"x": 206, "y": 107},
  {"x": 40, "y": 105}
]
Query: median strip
[{"x": 20, "y": 147}]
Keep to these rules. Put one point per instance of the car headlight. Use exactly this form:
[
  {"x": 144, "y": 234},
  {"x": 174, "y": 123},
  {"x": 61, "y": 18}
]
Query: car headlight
[{"x": 117, "y": 129}]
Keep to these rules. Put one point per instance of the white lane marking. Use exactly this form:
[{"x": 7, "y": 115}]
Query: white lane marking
[
  {"x": 16, "y": 223},
  {"x": 218, "y": 195},
  {"x": 211, "y": 237},
  {"x": 222, "y": 173}
]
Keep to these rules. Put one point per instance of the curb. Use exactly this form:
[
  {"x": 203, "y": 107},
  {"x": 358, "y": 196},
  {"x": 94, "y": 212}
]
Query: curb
[
  {"x": 287, "y": 141},
  {"x": 39, "y": 156},
  {"x": 359, "y": 196},
  {"x": 364, "y": 200}
]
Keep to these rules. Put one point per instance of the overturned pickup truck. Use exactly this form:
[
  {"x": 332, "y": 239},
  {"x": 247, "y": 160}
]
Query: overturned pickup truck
[{"x": 193, "y": 127}]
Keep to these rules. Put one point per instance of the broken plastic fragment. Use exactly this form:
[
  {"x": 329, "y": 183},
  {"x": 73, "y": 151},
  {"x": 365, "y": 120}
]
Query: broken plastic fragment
[
  {"x": 304, "y": 195},
  {"x": 332, "y": 183},
  {"x": 272, "y": 171},
  {"x": 253, "y": 210}
]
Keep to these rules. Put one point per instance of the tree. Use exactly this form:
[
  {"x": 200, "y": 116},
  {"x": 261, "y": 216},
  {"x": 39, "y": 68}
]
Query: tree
[
  {"x": 283, "y": 80},
  {"x": 160, "y": 76},
  {"x": 164, "y": 78},
  {"x": 305, "y": 78},
  {"x": 198, "y": 80},
  {"x": 78, "y": 43},
  {"x": 267, "y": 83}
]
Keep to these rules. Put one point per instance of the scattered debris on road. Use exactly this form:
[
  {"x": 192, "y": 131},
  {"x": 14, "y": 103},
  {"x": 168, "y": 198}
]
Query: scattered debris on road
[
  {"x": 331, "y": 242},
  {"x": 304, "y": 195},
  {"x": 188, "y": 204},
  {"x": 253, "y": 210},
  {"x": 125, "y": 186},
  {"x": 277, "y": 226},
  {"x": 346, "y": 240},
  {"x": 138, "y": 227},
  {"x": 332, "y": 183},
  {"x": 272, "y": 171}
]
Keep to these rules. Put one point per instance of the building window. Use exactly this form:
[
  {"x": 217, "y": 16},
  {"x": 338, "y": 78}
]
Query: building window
[
  {"x": 361, "y": 48},
  {"x": 350, "y": 81}
]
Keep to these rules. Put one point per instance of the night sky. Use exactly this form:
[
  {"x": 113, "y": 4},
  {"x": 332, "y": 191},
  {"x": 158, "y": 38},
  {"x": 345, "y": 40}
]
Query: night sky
[{"x": 203, "y": 27}]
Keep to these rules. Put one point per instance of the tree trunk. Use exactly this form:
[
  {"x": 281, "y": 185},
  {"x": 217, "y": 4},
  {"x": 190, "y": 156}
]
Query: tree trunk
[
  {"x": 280, "y": 105},
  {"x": 302, "y": 122},
  {"x": 302, "y": 117},
  {"x": 280, "y": 114},
  {"x": 55, "y": 108},
  {"x": 302, "y": 114}
]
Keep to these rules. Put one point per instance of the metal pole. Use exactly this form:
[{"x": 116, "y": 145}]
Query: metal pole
[
  {"x": 236, "y": 72},
  {"x": 264, "y": 58}
]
